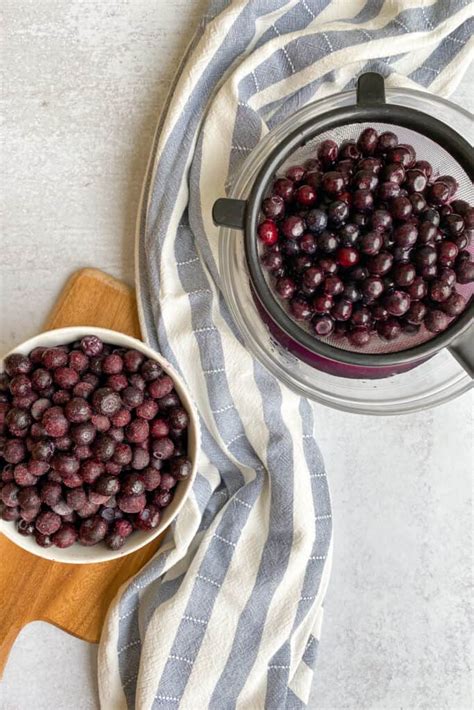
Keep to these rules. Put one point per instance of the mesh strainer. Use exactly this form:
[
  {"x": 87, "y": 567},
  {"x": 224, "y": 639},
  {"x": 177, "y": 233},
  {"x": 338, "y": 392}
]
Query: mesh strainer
[{"x": 433, "y": 140}]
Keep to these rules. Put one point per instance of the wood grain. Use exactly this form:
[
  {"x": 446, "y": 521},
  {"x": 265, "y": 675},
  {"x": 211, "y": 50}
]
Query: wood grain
[{"x": 73, "y": 597}]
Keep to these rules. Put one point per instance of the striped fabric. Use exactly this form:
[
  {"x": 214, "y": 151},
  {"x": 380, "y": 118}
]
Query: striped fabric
[{"x": 228, "y": 614}]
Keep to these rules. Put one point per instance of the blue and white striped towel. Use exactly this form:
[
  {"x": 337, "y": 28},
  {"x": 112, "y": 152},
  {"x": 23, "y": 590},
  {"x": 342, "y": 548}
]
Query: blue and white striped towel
[{"x": 228, "y": 613}]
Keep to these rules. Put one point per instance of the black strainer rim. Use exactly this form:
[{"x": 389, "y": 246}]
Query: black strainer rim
[{"x": 370, "y": 107}]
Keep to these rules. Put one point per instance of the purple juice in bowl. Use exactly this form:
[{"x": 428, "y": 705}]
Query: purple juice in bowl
[{"x": 326, "y": 364}]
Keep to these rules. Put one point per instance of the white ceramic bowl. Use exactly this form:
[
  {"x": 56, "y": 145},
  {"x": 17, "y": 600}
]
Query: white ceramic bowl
[{"x": 77, "y": 554}]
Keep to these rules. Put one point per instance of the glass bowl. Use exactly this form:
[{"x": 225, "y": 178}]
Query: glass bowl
[{"x": 432, "y": 382}]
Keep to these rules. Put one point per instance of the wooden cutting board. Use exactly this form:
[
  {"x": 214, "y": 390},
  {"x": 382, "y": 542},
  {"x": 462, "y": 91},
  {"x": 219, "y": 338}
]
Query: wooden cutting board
[{"x": 73, "y": 597}]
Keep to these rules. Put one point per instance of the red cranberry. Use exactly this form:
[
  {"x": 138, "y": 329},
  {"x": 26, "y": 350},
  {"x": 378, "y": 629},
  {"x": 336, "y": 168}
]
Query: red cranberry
[
  {"x": 327, "y": 152},
  {"x": 285, "y": 287},
  {"x": 416, "y": 313},
  {"x": 160, "y": 388},
  {"x": 114, "y": 541},
  {"x": 106, "y": 401},
  {"x": 401, "y": 154},
  {"x": 163, "y": 498},
  {"x": 439, "y": 193},
  {"x": 83, "y": 434},
  {"x": 103, "y": 447},
  {"x": 9, "y": 494},
  {"x": 151, "y": 478},
  {"x": 78, "y": 410},
  {"x": 349, "y": 234},
  {"x": 292, "y": 227},
  {"x": 131, "y": 503},
  {"x": 76, "y": 498},
  {"x": 372, "y": 288},
  {"x": 43, "y": 540},
  {"x": 66, "y": 377},
  {"x": 425, "y": 167},
  {"x": 333, "y": 286},
  {"x": 14, "y": 451},
  {"x": 83, "y": 389},
  {"x": 368, "y": 141},
  {"x": 140, "y": 458},
  {"x": 351, "y": 292},
  {"x": 306, "y": 196},
  {"x": 327, "y": 242},
  {"x": 465, "y": 272},
  {"x": 447, "y": 253},
  {"x": 10, "y": 513},
  {"x": 180, "y": 468},
  {"x": 397, "y": 303},
  {"x": 300, "y": 309},
  {"x": 159, "y": 428},
  {"x": 23, "y": 477},
  {"x": 133, "y": 360},
  {"x": 323, "y": 325},
  {"x": 386, "y": 142},
  {"x": 20, "y": 385},
  {"x": 50, "y": 493},
  {"x": 39, "y": 407},
  {"x": 48, "y": 522},
  {"x": 92, "y": 531},
  {"x": 405, "y": 235},
  {"x": 295, "y": 173},
  {"x": 122, "y": 528},
  {"x": 418, "y": 289},
  {"x": 283, "y": 188},
  {"x": 347, "y": 257},
  {"x": 361, "y": 316},
  {"x": 138, "y": 430},
  {"x": 101, "y": 422},
  {"x": 91, "y": 345},
  {"x": 65, "y": 536},
  {"x": 117, "y": 382},
  {"x": 316, "y": 220},
  {"x": 341, "y": 310},
  {"x": 148, "y": 518},
  {"x": 332, "y": 182},
  {"x": 440, "y": 291},
  {"x": 273, "y": 261},
  {"x": 388, "y": 191},
  {"x": 274, "y": 207},
  {"x": 418, "y": 202},
  {"x": 389, "y": 329},
  {"x": 338, "y": 212},
  {"x": 404, "y": 274},
  {"x": 436, "y": 321},
  {"x": 349, "y": 151},
  {"x": 78, "y": 360},
  {"x": 365, "y": 180},
  {"x": 162, "y": 448},
  {"x": 17, "y": 364},
  {"x": 107, "y": 486},
  {"x": 454, "y": 305},
  {"x": 359, "y": 336},
  {"x": 323, "y": 304},
  {"x": 268, "y": 232}
]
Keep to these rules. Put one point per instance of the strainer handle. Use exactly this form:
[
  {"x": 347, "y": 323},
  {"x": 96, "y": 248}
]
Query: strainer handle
[
  {"x": 370, "y": 89},
  {"x": 462, "y": 348}
]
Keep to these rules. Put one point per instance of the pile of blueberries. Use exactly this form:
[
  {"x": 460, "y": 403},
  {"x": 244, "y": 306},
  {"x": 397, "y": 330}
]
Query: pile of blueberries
[
  {"x": 93, "y": 440},
  {"x": 364, "y": 239}
]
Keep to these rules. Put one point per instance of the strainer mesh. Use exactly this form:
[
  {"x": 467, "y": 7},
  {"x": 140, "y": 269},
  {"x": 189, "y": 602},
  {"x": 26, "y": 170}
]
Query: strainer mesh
[{"x": 443, "y": 164}]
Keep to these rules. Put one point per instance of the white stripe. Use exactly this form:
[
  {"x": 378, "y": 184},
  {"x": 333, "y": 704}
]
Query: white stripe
[
  {"x": 109, "y": 680},
  {"x": 284, "y": 604},
  {"x": 230, "y": 602},
  {"x": 376, "y": 48}
]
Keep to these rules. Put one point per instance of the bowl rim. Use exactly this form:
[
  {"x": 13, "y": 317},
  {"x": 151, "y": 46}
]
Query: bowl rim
[{"x": 58, "y": 336}]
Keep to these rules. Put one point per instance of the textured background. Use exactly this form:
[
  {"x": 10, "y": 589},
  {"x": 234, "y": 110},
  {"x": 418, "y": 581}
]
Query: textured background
[{"x": 83, "y": 82}]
